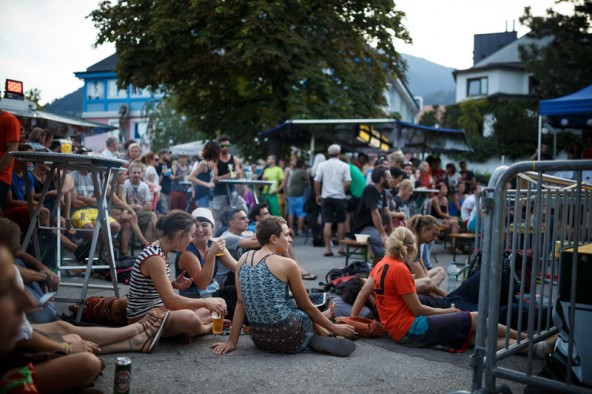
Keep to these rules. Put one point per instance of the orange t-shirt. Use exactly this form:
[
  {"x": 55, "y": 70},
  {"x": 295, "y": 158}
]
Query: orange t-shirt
[
  {"x": 392, "y": 279},
  {"x": 10, "y": 131}
]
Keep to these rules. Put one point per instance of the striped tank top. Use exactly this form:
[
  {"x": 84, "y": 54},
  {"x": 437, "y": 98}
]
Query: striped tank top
[{"x": 142, "y": 293}]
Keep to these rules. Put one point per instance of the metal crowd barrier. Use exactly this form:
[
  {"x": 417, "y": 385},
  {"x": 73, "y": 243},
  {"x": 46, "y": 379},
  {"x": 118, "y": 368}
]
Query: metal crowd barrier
[{"x": 537, "y": 235}]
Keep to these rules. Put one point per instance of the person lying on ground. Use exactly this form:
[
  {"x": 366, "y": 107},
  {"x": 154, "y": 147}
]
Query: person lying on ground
[
  {"x": 278, "y": 323},
  {"x": 342, "y": 305},
  {"x": 150, "y": 286}
]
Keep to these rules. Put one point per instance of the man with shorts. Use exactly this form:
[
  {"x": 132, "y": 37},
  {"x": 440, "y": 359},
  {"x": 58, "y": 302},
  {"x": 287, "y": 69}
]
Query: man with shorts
[
  {"x": 331, "y": 181},
  {"x": 138, "y": 197},
  {"x": 84, "y": 205},
  {"x": 274, "y": 174}
]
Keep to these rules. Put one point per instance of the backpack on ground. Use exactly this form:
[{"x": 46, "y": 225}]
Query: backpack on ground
[{"x": 338, "y": 277}]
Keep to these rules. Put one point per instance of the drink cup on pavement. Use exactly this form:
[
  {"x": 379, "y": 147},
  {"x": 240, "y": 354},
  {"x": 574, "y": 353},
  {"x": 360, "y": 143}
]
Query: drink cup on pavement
[{"x": 217, "y": 323}]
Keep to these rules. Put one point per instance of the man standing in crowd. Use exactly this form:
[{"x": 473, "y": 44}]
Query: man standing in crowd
[
  {"x": 227, "y": 167},
  {"x": 164, "y": 171},
  {"x": 10, "y": 134},
  {"x": 274, "y": 174},
  {"x": 331, "y": 181},
  {"x": 372, "y": 216},
  {"x": 112, "y": 148}
]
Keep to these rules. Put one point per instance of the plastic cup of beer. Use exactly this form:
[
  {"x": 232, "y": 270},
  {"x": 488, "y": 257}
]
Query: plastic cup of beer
[
  {"x": 220, "y": 253},
  {"x": 217, "y": 323},
  {"x": 66, "y": 147}
]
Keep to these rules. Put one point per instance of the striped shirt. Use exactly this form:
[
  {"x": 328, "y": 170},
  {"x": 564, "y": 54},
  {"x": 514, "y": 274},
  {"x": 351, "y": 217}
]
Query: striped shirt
[{"x": 142, "y": 293}]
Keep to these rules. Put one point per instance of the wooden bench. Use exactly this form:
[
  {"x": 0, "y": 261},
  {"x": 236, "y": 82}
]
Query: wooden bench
[
  {"x": 354, "y": 248},
  {"x": 465, "y": 238}
]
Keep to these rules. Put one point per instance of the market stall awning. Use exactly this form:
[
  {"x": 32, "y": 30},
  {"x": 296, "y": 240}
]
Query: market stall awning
[
  {"x": 57, "y": 124},
  {"x": 416, "y": 138},
  {"x": 348, "y": 133}
]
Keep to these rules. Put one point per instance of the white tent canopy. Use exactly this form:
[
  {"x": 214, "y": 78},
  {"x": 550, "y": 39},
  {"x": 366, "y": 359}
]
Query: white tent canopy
[{"x": 189, "y": 148}]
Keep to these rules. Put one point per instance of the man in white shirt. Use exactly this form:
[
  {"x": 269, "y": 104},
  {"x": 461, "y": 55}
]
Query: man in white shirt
[
  {"x": 331, "y": 181},
  {"x": 469, "y": 203},
  {"x": 138, "y": 197},
  {"x": 112, "y": 148}
]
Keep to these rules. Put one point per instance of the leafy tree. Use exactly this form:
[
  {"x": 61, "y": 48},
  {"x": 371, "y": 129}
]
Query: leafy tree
[
  {"x": 565, "y": 64},
  {"x": 471, "y": 116},
  {"x": 34, "y": 95},
  {"x": 240, "y": 67},
  {"x": 429, "y": 118},
  {"x": 515, "y": 128},
  {"x": 166, "y": 126}
]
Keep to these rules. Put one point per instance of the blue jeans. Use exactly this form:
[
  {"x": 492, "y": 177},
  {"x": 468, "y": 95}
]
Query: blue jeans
[{"x": 45, "y": 315}]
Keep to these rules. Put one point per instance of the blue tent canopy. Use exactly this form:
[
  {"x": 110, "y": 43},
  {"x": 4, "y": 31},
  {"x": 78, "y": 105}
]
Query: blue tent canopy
[{"x": 576, "y": 108}]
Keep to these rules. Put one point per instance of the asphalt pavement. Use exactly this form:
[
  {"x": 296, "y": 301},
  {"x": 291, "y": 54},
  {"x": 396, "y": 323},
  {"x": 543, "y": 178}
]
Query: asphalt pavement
[{"x": 376, "y": 366}]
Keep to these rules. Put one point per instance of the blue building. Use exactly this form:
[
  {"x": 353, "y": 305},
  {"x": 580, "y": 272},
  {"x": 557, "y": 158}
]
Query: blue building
[{"x": 105, "y": 103}]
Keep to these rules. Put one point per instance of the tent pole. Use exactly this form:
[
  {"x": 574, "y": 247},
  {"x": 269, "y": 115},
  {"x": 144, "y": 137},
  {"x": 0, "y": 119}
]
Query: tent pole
[
  {"x": 312, "y": 145},
  {"x": 540, "y": 138}
]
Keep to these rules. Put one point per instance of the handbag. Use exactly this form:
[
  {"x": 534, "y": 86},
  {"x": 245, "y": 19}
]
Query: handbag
[{"x": 367, "y": 328}]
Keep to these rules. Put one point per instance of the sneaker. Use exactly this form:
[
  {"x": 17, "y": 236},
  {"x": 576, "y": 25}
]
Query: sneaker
[{"x": 340, "y": 347}]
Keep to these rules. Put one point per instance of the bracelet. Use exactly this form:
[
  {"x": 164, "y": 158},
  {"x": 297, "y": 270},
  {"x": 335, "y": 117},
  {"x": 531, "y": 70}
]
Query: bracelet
[{"x": 66, "y": 348}]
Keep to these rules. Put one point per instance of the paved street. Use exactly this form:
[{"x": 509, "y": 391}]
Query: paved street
[{"x": 377, "y": 365}]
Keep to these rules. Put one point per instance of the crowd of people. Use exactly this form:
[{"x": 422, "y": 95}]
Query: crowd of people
[{"x": 233, "y": 255}]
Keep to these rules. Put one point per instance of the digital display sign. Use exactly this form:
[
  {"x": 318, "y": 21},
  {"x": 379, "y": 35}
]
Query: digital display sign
[{"x": 14, "y": 89}]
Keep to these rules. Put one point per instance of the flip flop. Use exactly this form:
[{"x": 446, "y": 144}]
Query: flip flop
[
  {"x": 328, "y": 254},
  {"x": 309, "y": 276},
  {"x": 341, "y": 252},
  {"x": 158, "y": 333}
]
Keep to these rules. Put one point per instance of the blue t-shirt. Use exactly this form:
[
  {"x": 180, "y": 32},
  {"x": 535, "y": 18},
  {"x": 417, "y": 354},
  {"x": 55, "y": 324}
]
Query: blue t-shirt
[{"x": 19, "y": 192}]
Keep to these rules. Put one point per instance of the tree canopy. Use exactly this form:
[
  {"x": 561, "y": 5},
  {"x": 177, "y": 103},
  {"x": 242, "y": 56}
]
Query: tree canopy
[
  {"x": 240, "y": 67},
  {"x": 565, "y": 64}
]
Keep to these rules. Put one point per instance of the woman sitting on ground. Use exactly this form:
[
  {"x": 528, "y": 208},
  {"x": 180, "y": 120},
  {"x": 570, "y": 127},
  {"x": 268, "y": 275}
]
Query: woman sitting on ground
[
  {"x": 426, "y": 229},
  {"x": 201, "y": 258},
  {"x": 405, "y": 318},
  {"x": 150, "y": 286},
  {"x": 440, "y": 212},
  {"x": 278, "y": 323}
]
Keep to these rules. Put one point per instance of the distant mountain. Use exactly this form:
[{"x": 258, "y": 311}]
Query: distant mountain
[
  {"x": 69, "y": 105},
  {"x": 429, "y": 80}
]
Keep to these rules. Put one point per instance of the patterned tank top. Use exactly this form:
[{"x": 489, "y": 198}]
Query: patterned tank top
[{"x": 142, "y": 293}]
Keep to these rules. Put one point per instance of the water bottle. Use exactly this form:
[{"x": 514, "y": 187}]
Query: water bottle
[{"x": 452, "y": 276}]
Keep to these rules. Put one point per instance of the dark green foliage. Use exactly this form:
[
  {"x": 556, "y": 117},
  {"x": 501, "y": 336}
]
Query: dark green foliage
[
  {"x": 515, "y": 128},
  {"x": 240, "y": 67},
  {"x": 565, "y": 65}
]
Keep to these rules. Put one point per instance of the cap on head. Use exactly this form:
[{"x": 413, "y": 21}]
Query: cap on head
[
  {"x": 203, "y": 214},
  {"x": 380, "y": 160},
  {"x": 334, "y": 149},
  {"x": 164, "y": 151}
]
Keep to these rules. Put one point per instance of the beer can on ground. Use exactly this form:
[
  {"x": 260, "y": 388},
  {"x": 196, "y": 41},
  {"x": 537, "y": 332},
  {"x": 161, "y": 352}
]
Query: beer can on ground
[{"x": 123, "y": 375}]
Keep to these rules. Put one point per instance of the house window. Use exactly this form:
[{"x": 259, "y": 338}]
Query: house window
[
  {"x": 113, "y": 92},
  {"x": 477, "y": 86}
]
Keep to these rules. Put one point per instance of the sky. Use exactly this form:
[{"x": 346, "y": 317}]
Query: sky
[{"x": 43, "y": 42}]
